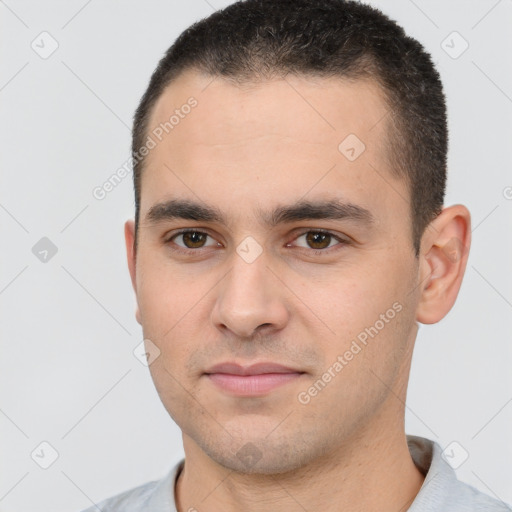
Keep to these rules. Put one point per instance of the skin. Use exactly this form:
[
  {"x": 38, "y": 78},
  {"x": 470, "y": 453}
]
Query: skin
[{"x": 246, "y": 150}]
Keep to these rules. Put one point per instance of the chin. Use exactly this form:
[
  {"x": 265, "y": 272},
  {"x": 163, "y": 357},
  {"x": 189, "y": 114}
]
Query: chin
[{"x": 260, "y": 455}]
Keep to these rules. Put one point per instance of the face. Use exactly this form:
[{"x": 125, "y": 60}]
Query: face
[{"x": 284, "y": 317}]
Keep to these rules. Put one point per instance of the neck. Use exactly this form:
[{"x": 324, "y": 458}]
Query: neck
[{"x": 371, "y": 473}]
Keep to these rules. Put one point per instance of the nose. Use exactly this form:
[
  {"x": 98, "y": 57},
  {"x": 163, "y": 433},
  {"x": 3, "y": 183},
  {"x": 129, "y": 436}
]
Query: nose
[{"x": 250, "y": 300}]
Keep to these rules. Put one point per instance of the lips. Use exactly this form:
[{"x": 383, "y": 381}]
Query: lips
[
  {"x": 255, "y": 380},
  {"x": 253, "y": 369}
]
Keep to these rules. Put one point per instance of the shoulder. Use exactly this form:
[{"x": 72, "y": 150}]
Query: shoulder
[
  {"x": 480, "y": 501},
  {"x": 133, "y": 500},
  {"x": 462, "y": 497},
  {"x": 441, "y": 489},
  {"x": 154, "y": 496}
]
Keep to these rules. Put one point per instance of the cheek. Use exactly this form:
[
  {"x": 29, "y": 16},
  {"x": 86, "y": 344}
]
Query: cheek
[
  {"x": 174, "y": 319},
  {"x": 362, "y": 303},
  {"x": 167, "y": 296}
]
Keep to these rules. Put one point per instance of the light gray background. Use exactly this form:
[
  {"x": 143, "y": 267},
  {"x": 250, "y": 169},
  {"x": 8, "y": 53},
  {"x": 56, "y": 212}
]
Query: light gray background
[{"x": 69, "y": 376}]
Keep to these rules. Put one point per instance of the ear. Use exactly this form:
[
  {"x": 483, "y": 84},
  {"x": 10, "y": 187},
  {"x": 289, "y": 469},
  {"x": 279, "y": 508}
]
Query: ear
[
  {"x": 443, "y": 257},
  {"x": 129, "y": 236}
]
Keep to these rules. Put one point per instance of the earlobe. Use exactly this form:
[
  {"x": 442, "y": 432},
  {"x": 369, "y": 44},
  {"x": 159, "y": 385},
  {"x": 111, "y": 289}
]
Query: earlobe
[
  {"x": 137, "y": 314},
  {"x": 129, "y": 236},
  {"x": 444, "y": 254}
]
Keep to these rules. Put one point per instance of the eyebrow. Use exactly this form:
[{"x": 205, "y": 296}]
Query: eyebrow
[{"x": 302, "y": 210}]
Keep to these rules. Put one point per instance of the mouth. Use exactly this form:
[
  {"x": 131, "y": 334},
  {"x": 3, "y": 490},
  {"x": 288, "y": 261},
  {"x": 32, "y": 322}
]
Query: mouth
[{"x": 255, "y": 380}]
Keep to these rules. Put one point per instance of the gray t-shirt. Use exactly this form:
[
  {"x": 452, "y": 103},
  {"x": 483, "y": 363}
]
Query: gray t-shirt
[{"x": 440, "y": 492}]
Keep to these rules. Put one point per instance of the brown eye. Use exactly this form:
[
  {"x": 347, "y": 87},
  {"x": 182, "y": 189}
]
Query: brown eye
[
  {"x": 318, "y": 240},
  {"x": 192, "y": 240}
]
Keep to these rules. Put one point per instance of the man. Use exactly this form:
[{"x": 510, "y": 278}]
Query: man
[{"x": 289, "y": 236}]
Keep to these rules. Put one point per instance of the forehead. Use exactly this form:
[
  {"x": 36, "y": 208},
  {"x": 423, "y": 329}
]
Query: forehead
[
  {"x": 312, "y": 109},
  {"x": 278, "y": 141}
]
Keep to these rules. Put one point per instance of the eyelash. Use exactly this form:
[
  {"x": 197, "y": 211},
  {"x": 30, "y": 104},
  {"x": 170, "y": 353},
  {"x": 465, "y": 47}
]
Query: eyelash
[{"x": 310, "y": 250}]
